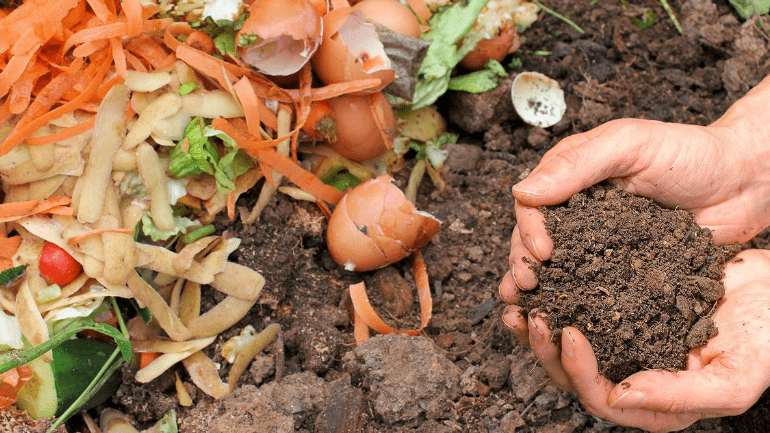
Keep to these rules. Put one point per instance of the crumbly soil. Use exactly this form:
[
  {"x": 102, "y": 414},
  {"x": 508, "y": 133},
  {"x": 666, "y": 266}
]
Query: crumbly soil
[
  {"x": 465, "y": 372},
  {"x": 638, "y": 280}
]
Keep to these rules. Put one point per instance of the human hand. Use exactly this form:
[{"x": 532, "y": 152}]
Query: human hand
[
  {"x": 724, "y": 377},
  {"x": 720, "y": 173}
]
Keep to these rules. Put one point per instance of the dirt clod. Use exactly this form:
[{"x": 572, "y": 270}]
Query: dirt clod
[{"x": 640, "y": 281}]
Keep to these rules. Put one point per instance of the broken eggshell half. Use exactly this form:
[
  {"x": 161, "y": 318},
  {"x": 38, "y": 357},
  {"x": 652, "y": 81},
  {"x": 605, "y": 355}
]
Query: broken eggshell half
[
  {"x": 285, "y": 33},
  {"x": 538, "y": 99},
  {"x": 374, "y": 225},
  {"x": 351, "y": 50}
]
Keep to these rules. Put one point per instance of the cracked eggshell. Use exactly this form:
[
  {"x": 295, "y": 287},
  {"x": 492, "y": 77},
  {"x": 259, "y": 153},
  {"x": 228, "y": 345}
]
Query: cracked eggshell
[
  {"x": 538, "y": 99},
  {"x": 364, "y": 125},
  {"x": 289, "y": 33},
  {"x": 391, "y": 14},
  {"x": 351, "y": 50},
  {"x": 508, "y": 41},
  {"x": 374, "y": 226}
]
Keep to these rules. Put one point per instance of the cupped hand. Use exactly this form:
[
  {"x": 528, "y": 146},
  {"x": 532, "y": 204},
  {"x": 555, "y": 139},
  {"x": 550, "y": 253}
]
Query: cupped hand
[
  {"x": 724, "y": 377},
  {"x": 719, "y": 173}
]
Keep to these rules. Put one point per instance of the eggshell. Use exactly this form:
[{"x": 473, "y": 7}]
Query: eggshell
[
  {"x": 364, "y": 125},
  {"x": 391, "y": 14},
  {"x": 290, "y": 32},
  {"x": 374, "y": 225},
  {"x": 538, "y": 99},
  {"x": 496, "y": 48},
  {"x": 351, "y": 50}
]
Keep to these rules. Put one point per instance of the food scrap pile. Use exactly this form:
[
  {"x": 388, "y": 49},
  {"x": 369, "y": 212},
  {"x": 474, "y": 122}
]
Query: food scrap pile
[{"x": 127, "y": 126}]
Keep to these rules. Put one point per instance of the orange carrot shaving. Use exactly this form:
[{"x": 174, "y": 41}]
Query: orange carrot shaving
[
  {"x": 21, "y": 91},
  {"x": 360, "y": 328},
  {"x": 12, "y": 71},
  {"x": 8, "y": 247},
  {"x": 10, "y": 383},
  {"x": 64, "y": 134},
  {"x": 119, "y": 56},
  {"x": 145, "y": 48},
  {"x": 16, "y": 210},
  {"x": 101, "y": 10},
  {"x": 206, "y": 64},
  {"x": 29, "y": 124},
  {"x": 145, "y": 358},
  {"x": 200, "y": 41},
  {"x": 18, "y": 22},
  {"x": 363, "y": 308},
  {"x": 320, "y": 123},
  {"x": 73, "y": 240},
  {"x": 133, "y": 11},
  {"x": 250, "y": 104},
  {"x": 304, "y": 179},
  {"x": 231, "y": 199}
]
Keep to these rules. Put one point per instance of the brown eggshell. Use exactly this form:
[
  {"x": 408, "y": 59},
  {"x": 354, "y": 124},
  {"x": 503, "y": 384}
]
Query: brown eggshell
[
  {"x": 361, "y": 135},
  {"x": 391, "y": 14},
  {"x": 289, "y": 31},
  {"x": 374, "y": 225},
  {"x": 334, "y": 62},
  {"x": 496, "y": 48},
  {"x": 274, "y": 18}
]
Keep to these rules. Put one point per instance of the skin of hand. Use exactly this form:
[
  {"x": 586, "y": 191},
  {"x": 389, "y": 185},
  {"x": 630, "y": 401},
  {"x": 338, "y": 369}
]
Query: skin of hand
[
  {"x": 721, "y": 174},
  {"x": 724, "y": 377}
]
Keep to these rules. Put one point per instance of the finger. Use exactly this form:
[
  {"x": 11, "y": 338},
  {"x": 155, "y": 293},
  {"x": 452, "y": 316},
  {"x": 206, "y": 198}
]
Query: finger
[
  {"x": 549, "y": 354},
  {"x": 582, "y": 164},
  {"x": 580, "y": 364},
  {"x": 712, "y": 391},
  {"x": 515, "y": 318},
  {"x": 508, "y": 290},
  {"x": 521, "y": 261},
  {"x": 534, "y": 235}
]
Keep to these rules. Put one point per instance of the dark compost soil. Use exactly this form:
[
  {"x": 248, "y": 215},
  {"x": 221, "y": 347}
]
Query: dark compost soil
[
  {"x": 638, "y": 280},
  {"x": 465, "y": 373}
]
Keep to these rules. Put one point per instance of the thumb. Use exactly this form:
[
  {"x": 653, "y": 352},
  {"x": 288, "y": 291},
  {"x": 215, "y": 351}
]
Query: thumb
[
  {"x": 578, "y": 162},
  {"x": 717, "y": 390}
]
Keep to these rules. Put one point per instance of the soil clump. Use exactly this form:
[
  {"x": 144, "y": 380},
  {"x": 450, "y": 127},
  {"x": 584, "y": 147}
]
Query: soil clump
[{"x": 640, "y": 281}]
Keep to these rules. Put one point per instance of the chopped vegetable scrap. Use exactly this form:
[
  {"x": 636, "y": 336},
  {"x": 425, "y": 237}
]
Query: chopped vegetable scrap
[{"x": 128, "y": 126}]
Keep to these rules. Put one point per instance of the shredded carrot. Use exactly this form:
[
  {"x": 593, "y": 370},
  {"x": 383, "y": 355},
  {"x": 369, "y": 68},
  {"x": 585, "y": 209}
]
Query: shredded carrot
[
  {"x": 8, "y": 247},
  {"x": 21, "y": 91},
  {"x": 231, "y": 199},
  {"x": 16, "y": 210},
  {"x": 145, "y": 358},
  {"x": 145, "y": 48},
  {"x": 10, "y": 383},
  {"x": 201, "y": 41},
  {"x": 119, "y": 56},
  {"x": 304, "y": 179},
  {"x": 133, "y": 11},
  {"x": 64, "y": 134},
  {"x": 363, "y": 308},
  {"x": 72, "y": 240},
  {"x": 250, "y": 104},
  {"x": 18, "y": 22}
]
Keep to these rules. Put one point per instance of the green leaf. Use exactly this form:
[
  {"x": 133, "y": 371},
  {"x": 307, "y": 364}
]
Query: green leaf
[
  {"x": 187, "y": 88},
  {"x": 448, "y": 27},
  {"x": 479, "y": 81},
  {"x": 12, "y": 275},
  {"x": 748, "y": 8},
  {"x": 15, "y": 358},
  {"x": 223, "y": 32}
]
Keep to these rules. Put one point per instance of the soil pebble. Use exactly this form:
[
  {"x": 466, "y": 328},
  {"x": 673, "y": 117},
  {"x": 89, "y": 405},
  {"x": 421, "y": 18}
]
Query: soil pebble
[{"x": 640, "y": 281}]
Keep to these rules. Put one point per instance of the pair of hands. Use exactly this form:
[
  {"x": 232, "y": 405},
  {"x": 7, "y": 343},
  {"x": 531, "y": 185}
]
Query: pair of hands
[{"x": 721, "y": 174}]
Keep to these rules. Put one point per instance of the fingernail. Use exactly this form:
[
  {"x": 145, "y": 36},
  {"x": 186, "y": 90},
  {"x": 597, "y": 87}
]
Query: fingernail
[
  {"x": 515, "y": 281},
  {"x": 568, "y": 347},
  {"x": 629, "y": 399},
  {"x": 534, "y": 332},
  {"x": 506, "y": 312},
  {"x": 529, "y": 241},
  {"x": 536, "y": 185}
]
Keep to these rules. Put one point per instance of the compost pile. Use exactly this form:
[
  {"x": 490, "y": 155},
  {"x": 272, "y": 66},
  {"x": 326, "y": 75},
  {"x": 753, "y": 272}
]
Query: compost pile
[{"x": 640, "y": 281}]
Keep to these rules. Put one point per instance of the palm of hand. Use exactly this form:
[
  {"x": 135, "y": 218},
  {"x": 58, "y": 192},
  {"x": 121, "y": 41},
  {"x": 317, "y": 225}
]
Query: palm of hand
[{"x": 724, "y": 377}]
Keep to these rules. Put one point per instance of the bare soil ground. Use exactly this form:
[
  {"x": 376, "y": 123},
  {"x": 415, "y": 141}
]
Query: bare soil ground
[{"x": 465, "y": 372}]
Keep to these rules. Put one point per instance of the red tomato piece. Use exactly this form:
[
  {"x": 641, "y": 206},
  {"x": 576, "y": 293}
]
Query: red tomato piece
[{"x": 57, "y": 266}]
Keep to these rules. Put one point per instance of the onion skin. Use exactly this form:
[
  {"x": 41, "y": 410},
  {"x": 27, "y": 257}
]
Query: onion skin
[
  {"x": 374, "y": 226},
  {"x": 496, "y": 48}
]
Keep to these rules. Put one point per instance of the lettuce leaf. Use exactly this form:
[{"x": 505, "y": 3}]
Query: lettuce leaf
[
  {"x": 198, "y": 154},
  {"x": 448, "y": 27},
  {"x": 480, "y": 81}
]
